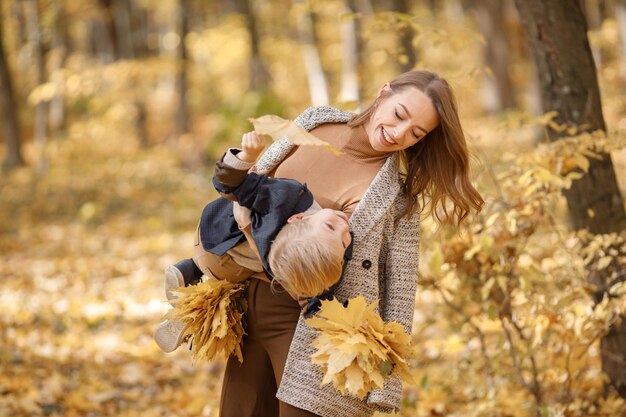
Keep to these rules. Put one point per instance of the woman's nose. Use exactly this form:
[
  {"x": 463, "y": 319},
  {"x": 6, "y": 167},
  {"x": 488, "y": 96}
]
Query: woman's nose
[{"x": 400, "y": 130}]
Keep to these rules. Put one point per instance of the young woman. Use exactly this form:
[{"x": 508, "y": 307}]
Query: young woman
[{"x": 404, "y": 156}]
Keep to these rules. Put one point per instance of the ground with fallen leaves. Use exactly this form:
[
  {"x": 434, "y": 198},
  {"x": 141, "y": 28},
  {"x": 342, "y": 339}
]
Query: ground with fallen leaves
[{"x": 82, "y": 250}]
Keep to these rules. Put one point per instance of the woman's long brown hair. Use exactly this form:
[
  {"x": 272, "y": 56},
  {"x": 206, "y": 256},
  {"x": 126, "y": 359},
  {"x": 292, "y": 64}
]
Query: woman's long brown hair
[{"x": 437, "y": 167}]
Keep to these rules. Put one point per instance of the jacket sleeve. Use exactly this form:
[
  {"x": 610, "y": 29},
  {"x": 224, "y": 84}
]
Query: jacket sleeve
[
  {"x": 230, "y": 170},
  {"x": 252, "y": 192},
  {"x": 400, "y": 284}
]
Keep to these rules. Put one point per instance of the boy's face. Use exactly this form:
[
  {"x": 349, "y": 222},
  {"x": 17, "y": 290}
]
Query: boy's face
[{"x": 331, "y": 227}]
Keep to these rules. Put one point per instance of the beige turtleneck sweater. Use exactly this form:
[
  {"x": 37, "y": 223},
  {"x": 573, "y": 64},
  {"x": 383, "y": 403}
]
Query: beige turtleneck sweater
[{"x": 336, "y": 181}]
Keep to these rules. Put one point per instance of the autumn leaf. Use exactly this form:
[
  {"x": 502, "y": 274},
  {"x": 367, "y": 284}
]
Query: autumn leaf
[
  {"x": 213, "y": 311},
  {"x": 356, "y": 349},
  {"x": 278, "y": 128}
]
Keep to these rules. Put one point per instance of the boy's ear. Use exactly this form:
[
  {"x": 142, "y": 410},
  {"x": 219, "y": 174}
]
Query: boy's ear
[{"x": 297, "y": 216}]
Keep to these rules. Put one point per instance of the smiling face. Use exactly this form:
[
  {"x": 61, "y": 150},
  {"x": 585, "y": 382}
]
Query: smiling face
[{"x": 401, "y": 119}]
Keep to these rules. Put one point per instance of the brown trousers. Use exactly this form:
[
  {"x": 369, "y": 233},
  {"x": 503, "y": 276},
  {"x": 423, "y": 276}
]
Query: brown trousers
[{"x": 249, "y": 389}]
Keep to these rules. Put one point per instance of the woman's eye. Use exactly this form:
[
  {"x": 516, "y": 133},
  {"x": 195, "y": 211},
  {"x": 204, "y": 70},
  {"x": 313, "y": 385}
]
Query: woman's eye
[
  {"x": 417, "y": 136},
  {"x": 330, "y": 226},
  {"x": 397, "y": 115}
]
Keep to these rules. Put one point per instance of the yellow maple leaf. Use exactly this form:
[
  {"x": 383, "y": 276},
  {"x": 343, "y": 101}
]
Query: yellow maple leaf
[
  {"x": 213, "y": 311},
  {"x": 278, "y": 128},
  {"x": 356, "y": 350}
]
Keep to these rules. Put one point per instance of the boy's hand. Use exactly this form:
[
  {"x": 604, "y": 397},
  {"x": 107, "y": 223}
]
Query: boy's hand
[{"x": 252, "y": 144}]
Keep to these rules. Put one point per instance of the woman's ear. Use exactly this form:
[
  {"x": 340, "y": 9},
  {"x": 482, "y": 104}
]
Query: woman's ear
[
  {"x": 385, "y": 90},
  {"x": 297, "y": 216}
]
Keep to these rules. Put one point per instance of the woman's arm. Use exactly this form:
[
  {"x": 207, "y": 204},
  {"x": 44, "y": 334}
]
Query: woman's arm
[{"x": 308, "y": 120}]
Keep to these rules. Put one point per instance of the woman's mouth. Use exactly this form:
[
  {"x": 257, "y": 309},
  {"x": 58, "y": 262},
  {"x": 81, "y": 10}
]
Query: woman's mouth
[{"x": 385, "y": 139}]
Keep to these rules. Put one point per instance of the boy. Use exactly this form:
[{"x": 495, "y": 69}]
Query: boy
[{"x": 274, "y": 231}]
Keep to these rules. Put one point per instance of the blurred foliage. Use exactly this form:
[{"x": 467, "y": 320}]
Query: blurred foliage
[
  {"x": 504, "y": 309},
  {"x": 522, "y": 316}
]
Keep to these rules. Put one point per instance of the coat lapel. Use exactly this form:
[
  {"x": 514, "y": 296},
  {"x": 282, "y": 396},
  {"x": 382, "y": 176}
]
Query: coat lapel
[{"x": 377, "y": 199}]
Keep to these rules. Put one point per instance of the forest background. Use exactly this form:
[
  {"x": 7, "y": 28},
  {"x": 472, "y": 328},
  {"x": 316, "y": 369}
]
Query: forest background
[{"x": 113, "y": 112}]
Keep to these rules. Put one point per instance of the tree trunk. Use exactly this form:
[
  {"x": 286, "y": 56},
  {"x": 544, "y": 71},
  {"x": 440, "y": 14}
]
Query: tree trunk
[
  {"x": 620, "y": 16},
  {"x": 557, "y": 34},
  {"x": 106, "y": 36},
  {"x": 497, "y": 86},
  {"x": 259, "y": 74},
  {"x": 123, "y": 28},
  {"x": 8, "y": 109},
  {"x": 41, "y": 109},
  {"x": 406, "y": 34},
  {"x": 351, "y": 53},
  {"x": 57, "y": 104},
  {"x": 182, "y": 115},
  {"x": 139, "y": 26},
  {"x": 593, "y": 16},
  {"x": 317, "y": 79},
  {"x": 102, "y": 43}
]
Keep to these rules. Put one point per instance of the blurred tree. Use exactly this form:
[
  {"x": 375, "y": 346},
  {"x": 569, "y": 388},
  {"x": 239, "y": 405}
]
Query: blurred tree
[
  {"x": 259, "y": 74},
  {"x": 498, "y": 91},
  {"x": 182, "y": 112},
  {"x": 60, "y": 50},
  {"x": 557, "y": 33},
  {"x": 101, "y": 34},
  {"x": 139, "y": 28},
  {"x": 620, "y": 16},
  {"x": 406, "y": 34},
  {"x": 39, "y": 49},
  {"x": 104, "y": 39},
  {"x": 351, "y": 43},
  {"x": 318, "y": 89},
  {"x": 11, "y": 131},
  {"x": 123, "y": 28},
  {"x": 593, "y": 10}
]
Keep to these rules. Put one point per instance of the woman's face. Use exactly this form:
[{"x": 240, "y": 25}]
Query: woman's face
[{"x": 401, "y": 119}]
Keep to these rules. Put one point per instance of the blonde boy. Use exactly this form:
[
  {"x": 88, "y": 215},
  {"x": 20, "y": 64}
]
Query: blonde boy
[{"x": 273, "y": 231}]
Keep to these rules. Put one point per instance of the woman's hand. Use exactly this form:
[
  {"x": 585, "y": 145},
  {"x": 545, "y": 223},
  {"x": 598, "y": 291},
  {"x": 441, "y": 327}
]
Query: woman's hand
[{"x": 252, "y": 144}]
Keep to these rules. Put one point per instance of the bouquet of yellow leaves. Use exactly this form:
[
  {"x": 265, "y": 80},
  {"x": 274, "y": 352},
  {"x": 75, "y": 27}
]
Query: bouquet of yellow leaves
[
  {"x": 213, "y": 311},
  {"x": 356, "y": 349}
]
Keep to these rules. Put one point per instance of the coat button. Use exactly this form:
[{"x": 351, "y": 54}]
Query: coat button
[{"x": 367, "y": 264}]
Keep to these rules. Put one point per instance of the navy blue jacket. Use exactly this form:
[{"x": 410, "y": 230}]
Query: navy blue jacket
[{"x": 271, "y": 201}]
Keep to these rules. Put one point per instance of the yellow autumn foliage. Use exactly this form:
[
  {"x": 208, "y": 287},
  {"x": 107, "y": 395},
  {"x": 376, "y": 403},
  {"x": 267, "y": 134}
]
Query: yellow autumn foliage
[
  {"x": 214, "y": 312},
  {"x": 356, "y": 349}
]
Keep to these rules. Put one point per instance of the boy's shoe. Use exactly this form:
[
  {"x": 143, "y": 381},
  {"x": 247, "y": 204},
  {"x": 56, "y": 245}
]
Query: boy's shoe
[
  {"x": 173, "y": 279},
  {"x": 181, "y": 274},
  {"x": 169, "y": 334}
]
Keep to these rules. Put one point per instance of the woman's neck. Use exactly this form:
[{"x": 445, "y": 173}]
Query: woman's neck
[{"x": 357, "y": 145}]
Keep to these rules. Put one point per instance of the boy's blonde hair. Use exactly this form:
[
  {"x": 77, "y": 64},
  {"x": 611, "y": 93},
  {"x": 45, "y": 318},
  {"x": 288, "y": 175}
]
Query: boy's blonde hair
[{"x": 303, "y": 265}]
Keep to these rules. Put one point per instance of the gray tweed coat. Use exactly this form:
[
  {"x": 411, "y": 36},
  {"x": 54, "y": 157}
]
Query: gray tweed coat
[{"x": 383, "y": 267}]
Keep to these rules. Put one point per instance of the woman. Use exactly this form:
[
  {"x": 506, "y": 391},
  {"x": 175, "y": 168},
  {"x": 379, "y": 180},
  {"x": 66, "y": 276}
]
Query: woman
[{"x": 412, "y": 127}]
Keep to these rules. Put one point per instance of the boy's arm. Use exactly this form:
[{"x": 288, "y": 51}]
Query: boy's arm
[{"x": 232, "y": 168}]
